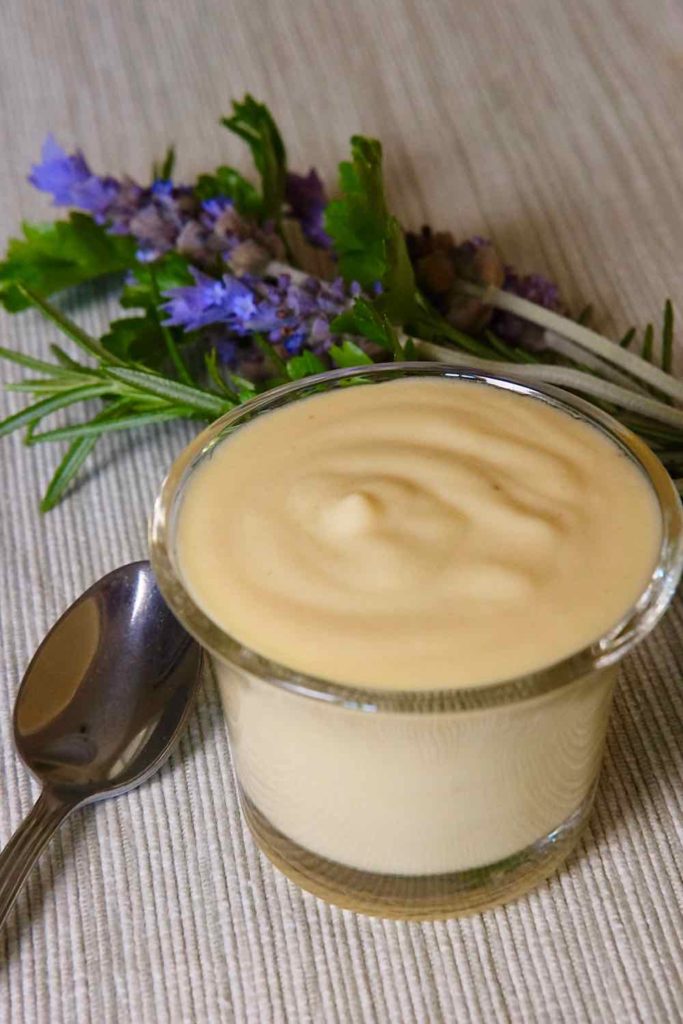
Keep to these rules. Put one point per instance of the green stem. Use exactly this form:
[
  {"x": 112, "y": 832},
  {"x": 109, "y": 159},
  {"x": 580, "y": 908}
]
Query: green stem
[
  {"x": 289, "y": 254},
  {"x": 668, "y": 337},
  {"x": 211, "y": 363},
  {"x": 645, "y": 372},
  {"x": 567, "y": 377},
  {"x": 68, "y": 327},
  {"x": 167, "y": 334},
  {"x": 271, "y": 355},
  {"x": 435, "y": 329},
  {"x": 513, "y": 355}
]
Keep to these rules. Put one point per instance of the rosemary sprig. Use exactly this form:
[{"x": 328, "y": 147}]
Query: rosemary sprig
[
  {"x": 68, "y": 327},
  {"x": 668, "y": 337},
  {"x": 134, "y": 397},
  {"x": 586, "y": 338}
]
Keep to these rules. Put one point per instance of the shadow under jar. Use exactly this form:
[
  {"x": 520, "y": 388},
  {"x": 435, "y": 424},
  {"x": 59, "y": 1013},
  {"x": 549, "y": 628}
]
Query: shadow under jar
[{"x": 416, "y": 803}]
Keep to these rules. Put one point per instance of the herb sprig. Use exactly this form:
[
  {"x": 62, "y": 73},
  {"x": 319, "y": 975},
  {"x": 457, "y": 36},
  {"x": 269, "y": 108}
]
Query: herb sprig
[
  {"x": 133, "y": 397},
  {"x": 214, "y": 316}
]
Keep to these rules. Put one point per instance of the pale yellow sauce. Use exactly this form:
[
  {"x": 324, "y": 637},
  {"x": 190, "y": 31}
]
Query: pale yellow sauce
[{"x": 417, "y": 534}]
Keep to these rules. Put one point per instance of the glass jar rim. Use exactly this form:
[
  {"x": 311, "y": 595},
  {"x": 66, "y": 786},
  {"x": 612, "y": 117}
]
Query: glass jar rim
[{"x": 638, "y": 621}]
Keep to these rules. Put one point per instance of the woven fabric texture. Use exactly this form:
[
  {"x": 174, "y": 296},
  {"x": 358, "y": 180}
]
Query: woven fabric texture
[{"x": 552, "y": 128}]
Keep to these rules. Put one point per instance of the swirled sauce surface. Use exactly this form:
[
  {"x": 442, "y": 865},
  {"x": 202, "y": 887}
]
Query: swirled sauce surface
[{"x": 420, "y": 533}]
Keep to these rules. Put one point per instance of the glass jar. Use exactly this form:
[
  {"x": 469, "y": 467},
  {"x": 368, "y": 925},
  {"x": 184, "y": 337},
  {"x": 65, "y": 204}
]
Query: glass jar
[{"x": 416, "y": 804}]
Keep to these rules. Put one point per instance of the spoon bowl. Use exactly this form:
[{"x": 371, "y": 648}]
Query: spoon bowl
[{"x": 100, "y": 708}]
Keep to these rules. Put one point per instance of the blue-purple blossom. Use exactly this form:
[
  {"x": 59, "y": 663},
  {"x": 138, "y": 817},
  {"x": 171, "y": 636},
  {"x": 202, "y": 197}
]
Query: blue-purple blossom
[
  {"x": 305, "y": 194},
  {"x": 210, "y": 301},
  {"x": 71, "y": 182},
  {"x": 216, "y": 207},
  {"x": 161, "y": 217},
  {"x": 291, "y": 315}
]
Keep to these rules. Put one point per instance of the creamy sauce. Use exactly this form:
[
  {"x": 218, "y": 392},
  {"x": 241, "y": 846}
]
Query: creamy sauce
[
  {"x": 417, "y": 533},
  {"x": 419, "y": 794}
]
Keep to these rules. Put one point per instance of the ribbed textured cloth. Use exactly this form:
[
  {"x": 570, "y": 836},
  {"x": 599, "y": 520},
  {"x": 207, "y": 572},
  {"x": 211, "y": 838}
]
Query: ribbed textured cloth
[
  {"x": 158, "y": 907},
  {"x": 551, "y": 127}
]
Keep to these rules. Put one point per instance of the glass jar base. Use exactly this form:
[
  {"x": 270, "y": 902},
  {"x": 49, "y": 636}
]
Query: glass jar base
[{"x": 418, "y": 897}]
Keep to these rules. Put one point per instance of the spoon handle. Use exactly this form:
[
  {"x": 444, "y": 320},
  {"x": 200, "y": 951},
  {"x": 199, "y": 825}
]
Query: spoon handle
[{"x": 27, "y": 844}]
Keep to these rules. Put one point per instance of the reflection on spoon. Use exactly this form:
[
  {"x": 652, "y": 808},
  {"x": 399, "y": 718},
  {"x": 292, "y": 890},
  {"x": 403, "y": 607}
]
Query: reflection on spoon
[{"x": 100, "y": 708}]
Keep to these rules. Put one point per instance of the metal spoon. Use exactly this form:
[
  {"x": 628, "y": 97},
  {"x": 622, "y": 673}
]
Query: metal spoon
[{"x": 100, "y": 707}]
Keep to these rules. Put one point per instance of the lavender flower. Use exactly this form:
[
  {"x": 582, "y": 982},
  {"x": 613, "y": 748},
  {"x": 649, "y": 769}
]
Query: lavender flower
[
  {"x": 440, "y": 265},
  {"x": 162, "y": 217},
  {"x": 290, "y": 315},
  {"x": 210, "y": 301},
  {"x": 247, "y": 247},
  {"x": 161, "y": 214},
  {"x": 307, "y": 201},
  {"x": 535, "y": 288},
  {"x": 71, "y": 181},
  {"x": 470, "y": 257}
]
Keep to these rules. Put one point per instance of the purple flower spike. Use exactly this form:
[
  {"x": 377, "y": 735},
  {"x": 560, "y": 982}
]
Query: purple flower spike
[
  {"x": 214, "y": 208},
  {"x": 307, "y": 200},
  {"x": 294, "y": 343},
  {"x": 161, "y": 218},
  {"x": 289, "y": 314},
  {"x": 209, "y": 302},
  {"x": 71, "y": 181},
  {"x": 535, "y": 288},
  {"x": 162, "y": 187}
]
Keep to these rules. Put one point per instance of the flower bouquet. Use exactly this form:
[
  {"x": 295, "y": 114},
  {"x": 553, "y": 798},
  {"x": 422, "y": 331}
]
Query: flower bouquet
[{"x": 229, "y": 288}]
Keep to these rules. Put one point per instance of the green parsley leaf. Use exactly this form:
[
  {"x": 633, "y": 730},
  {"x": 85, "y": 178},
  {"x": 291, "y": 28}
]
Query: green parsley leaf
[
  {"x": 304, "y": 365},
  {"x": 368, "y": 240},
  {"x": 253, "y": 122},
  {"x": 349, "y": 354},
  {"x": 137, "y": 339},
  {"x": 358, "y": 222},
  {"x": 226, "y": 181},
  {"x": 51, "y": 257},
  {"x": 150, "y": 279},
  {"x": 366, "y": 320},
  {"x": 370, "y": 246}
]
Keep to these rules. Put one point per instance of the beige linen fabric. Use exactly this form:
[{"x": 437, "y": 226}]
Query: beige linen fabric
[{"x": 555, "y": 129}]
